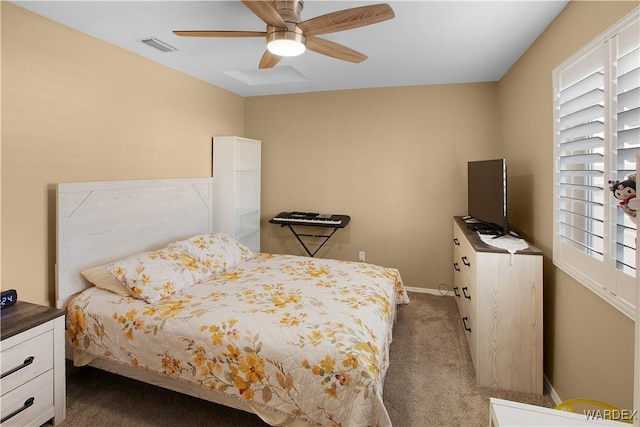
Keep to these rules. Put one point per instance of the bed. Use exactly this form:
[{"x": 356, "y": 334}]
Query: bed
[{"x": 155, "y": 294}]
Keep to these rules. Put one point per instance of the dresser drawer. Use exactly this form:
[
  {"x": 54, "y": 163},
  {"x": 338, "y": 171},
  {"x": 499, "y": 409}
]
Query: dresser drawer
[
  {"x": 464, "y": 256},
  {"x": 31, "y": 404},
  {"x": 26, "y": 359},
  {"x": 470, "y": 333},
  {"x": 467, "y": 263}
]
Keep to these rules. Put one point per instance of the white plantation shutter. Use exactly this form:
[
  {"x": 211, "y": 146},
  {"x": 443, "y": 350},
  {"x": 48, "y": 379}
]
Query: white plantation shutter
[
  {"x": 597, "y": 137},
  {"x": 626, "y": 87}
]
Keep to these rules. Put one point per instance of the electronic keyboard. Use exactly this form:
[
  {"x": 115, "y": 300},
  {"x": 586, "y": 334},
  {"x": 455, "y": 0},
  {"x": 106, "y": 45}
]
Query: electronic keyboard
[{"x": 310, "y": 218}]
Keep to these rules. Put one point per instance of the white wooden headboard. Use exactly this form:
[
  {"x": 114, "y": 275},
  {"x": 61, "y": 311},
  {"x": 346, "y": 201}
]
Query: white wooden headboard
[{"x": 99, "y": 222}]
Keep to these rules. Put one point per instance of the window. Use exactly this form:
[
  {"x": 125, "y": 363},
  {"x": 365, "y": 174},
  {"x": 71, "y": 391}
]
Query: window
[{"x": 597, "y": 140}]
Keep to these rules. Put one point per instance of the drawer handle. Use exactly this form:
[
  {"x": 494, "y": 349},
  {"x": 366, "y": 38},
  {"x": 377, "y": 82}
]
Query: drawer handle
[
  {"x": 464, "y": 291},
  {"x": 464, "y": 323},
  {"x": 455, "y": 291},
  {"x": 27, "y": 403},
  {"x": 28, "y": 361},
  {"x": 456, "y": 241},
  {"x": 456, "y": 267},
  {"x": 466, "y": 261}
]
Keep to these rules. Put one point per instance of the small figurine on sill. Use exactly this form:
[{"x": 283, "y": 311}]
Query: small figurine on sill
[{"x": 625, "y": 191}]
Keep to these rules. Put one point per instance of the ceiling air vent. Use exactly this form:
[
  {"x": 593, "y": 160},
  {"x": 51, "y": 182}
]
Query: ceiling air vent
[{"x": 158, "y": 44}]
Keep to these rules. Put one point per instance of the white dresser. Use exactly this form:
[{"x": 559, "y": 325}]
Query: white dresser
[
  {"x": 32, "y": 365},
  {"x": 499, "y": 297},
  {"x": 236, "y": 188}
]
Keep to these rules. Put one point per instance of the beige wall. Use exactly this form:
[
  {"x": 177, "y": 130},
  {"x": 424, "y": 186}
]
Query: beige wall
[
  {"x": 393, "y": 159},
  {"x": 77, "y": 109},
  {"x": 588, "y": 344}
]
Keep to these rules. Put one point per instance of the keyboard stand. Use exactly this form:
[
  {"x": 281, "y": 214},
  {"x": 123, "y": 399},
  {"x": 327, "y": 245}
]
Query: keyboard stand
[
  {"x": 321, "y": 236},
  {"x": 344, "y": 221}
]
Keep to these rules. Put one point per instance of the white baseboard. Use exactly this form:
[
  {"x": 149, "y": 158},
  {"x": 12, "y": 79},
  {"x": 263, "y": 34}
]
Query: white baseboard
[
  {"x": 442, "y": 293},
  {"x": 552, "y": 392}
]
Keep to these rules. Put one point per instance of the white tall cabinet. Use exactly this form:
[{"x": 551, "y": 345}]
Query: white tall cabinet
[{"x": 236, "y": 188}]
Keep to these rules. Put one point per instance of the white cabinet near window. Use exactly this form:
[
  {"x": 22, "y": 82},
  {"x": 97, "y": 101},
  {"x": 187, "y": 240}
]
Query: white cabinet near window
[
  {"x": 499, "y": 298},
  {"x": 236, "y": 188}
]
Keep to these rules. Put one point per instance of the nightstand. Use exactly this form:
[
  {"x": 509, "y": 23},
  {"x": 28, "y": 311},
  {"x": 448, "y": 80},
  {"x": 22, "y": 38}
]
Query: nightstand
[{"x": 32, "y": 364}]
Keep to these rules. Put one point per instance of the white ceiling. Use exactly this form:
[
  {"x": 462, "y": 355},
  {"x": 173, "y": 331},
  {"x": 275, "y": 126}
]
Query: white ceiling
[{"x": 428, "y": 42}]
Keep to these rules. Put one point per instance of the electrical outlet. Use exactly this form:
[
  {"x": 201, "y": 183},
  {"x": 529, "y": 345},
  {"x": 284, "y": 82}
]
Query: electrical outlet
[{"x": 361, "y": 256}]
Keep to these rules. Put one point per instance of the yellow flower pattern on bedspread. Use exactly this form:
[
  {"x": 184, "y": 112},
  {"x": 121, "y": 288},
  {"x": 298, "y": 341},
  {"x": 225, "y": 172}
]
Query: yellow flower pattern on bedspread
[{"x": 301, "y": 336}]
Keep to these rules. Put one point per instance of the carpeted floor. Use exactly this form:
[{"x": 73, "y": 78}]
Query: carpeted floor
[{"x": 431, "y": 382}]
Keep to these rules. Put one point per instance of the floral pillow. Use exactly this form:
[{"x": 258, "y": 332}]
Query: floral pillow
[
  {"x": 157, "y": 274},
  {"x": 216, "y": 251}
]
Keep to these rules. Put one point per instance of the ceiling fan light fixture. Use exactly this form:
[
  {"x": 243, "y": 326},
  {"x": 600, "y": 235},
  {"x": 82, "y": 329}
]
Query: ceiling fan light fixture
[
  {"x": 286, "y": 47},
  {"x": 286, "y": 43}
]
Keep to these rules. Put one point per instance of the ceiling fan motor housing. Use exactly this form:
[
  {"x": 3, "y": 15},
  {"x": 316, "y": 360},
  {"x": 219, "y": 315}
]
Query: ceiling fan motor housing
[
  {"x": 291, "y": 32},
  {"x": 289, "y": 10}
]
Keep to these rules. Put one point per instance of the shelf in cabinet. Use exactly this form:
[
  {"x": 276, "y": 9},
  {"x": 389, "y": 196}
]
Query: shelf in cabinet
[
  {"x": 245, "y": 231},
  {"x": 246, "y": 211}
]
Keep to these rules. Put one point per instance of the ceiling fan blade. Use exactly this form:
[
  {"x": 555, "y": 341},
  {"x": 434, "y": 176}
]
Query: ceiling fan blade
[
  {"x": 204, "y": 33},
  {"x": 347, "y": 19},
  {"x": 263, "y": 10},
  {"x": 334, "y": 50},
  {"x": 269, "y": 60}
]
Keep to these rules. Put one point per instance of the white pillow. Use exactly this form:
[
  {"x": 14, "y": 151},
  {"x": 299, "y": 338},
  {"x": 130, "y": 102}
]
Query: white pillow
[{"x": 99, "y": 277}]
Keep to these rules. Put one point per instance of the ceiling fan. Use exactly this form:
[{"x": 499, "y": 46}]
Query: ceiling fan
[{"x": 287, "y": 35}]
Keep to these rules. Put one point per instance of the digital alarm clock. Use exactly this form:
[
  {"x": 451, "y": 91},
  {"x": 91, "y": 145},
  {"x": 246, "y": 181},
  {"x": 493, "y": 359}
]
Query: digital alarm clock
[{"x": 8, "y": 298}]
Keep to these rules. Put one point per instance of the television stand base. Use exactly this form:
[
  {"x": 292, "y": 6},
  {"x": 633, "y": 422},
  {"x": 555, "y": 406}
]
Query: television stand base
[{"x": 490, "y": 231}]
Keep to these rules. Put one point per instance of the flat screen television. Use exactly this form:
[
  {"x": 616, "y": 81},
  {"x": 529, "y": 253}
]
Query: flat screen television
[{"x": 487, "y": 196}]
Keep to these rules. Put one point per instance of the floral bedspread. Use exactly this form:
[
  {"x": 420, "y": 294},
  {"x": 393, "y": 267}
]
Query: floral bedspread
[{"x": 302, "y": 336}]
